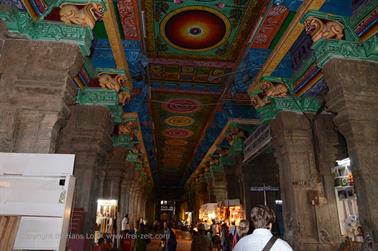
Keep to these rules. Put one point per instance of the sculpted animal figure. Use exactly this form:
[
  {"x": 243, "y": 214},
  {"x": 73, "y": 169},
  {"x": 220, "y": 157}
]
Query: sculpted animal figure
[
  {"x": 124, "y": 97},
  {"x": 128, "y": 128},
  {"x": 86, "y": 16},
  {"x": 317, "y": 29},
  {"x": 106, "y": 81},
  {"x": 269, "y": 90}
]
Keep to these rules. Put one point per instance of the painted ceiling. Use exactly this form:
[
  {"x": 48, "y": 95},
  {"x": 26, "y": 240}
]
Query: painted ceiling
[{"x": 190, "y": 63}]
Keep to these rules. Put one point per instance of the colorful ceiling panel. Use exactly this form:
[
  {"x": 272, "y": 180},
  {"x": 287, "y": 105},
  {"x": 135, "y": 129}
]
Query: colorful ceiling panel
[
  {"x": 186, "y": 73},
  {"x": 203, "y": 30},
  {"x": 179, "y": 121}
]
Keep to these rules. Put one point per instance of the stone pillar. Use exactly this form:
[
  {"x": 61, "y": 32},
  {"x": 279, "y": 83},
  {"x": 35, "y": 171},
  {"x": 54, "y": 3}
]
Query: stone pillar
[
  {"x": 232, "y": 182},
  {"x": 353, "y": 96},
  {"x": 219, "y": 186},
  {"x": 298, "y": 178},
  {"x": 328, "y": 222},
  {"x": 87, "y": 135},
  {"x": 210, "y": 191},
  {"x": 114, "y": 173},
  {"x": 35, "y": 93}
]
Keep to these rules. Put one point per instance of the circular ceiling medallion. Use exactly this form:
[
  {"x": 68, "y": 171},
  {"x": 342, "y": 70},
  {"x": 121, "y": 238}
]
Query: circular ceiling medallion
[
  {"x": 182, "y": 105},
  {"x": 176, "y": 142},
  {"x": 177, "y": 133},
  {"x": 195, "y": 28},
  {"x": 179, "y": 121}
]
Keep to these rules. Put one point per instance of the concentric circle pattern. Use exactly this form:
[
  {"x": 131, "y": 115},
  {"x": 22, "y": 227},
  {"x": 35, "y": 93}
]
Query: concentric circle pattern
[
  {"x": 177, "y": 133},
  {"x": 195, "y": 28},
  {"x": 182, "y": 105},
  {"x": 176, "y": 142},
  {"x": 179, "y": 121}
]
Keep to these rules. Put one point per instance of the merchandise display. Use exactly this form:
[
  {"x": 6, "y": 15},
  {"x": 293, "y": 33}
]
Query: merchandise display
[
  {"x": 106, "y": 217},
  {"x": 346, "y": 201}
]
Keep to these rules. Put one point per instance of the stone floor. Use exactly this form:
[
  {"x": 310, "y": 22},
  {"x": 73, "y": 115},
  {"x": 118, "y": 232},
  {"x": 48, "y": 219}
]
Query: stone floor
[{"x": 184, "y": 241}]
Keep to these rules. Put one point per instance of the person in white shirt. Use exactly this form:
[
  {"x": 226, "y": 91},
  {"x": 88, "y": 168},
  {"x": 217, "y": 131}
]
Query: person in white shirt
[
  {"x": 125, "y": 224},
  {"x": 262, "y": 239}
]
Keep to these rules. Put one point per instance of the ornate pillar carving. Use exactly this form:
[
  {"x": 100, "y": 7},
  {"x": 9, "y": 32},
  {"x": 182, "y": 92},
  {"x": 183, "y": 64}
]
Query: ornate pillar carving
[
  {"x": 353, "y": 96},
  {"x": 36, "y": 92}
]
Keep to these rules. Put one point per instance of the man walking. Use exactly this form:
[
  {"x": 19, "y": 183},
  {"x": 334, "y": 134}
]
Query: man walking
[{"x": 262, "y": 239}]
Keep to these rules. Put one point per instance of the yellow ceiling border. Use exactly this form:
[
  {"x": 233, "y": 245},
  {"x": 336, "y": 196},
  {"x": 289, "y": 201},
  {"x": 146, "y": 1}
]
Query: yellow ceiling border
[
  {"x": 112, "y": 29},
  {"x": 286, "y": 42}
]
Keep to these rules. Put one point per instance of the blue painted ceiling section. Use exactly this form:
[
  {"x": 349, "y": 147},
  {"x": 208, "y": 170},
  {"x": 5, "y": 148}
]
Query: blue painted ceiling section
[
  {"x": 249, "y": 68},
  {"x": 230, "y": 109}
]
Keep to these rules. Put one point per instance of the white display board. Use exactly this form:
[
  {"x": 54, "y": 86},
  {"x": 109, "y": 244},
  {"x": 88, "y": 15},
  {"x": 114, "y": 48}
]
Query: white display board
[{"x": 38, "y": 187}]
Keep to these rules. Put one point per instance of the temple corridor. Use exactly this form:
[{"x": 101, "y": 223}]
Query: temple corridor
[{"x": 236, "y": 123}]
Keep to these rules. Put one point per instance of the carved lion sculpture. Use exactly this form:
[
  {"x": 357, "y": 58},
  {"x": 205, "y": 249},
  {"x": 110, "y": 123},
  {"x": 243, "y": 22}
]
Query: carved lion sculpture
[
  {"x": 106, "y": 81},
  {"x": 269, "y": 90},
  {"x": 86, "y": 16},
  {"x": 317, "y": 29},
  {"x": 274, "y": 90},
  {"x": 128, "y": 128},
  {"x": 124, "y": 97}
]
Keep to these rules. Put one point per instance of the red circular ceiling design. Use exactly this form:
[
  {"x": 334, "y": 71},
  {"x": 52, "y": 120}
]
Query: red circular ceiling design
[
  {"x": 177, "y": 133},
  {"x": 176, "y": 142},
  {"x": 182, "y": 105},
  {"x": 195, "y": 29}
]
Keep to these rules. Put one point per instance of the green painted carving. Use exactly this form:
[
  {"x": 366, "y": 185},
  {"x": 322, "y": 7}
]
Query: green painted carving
[
  {"x": 111, "y": 71},
  {"x": 289, "y": 103},
  {"x": 125, "y": 141},
  {"x": 97, "y": 96},
  {"x": 348, "y": 31},
  {"x": 325, "y": 49},
  {"x": 227, "y": 160},
  {"x": 364, "y": 10},
  {"x": 20, "y": 22},
  {"x": 237, "y": 144},
  {"x": 116, "y": 112}
]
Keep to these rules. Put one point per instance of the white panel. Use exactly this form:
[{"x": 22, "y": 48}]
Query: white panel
[
  {"x": 39, "y": 233},
  {"x": 31, "y": 196},
  {"x": 30, "y": 164}
]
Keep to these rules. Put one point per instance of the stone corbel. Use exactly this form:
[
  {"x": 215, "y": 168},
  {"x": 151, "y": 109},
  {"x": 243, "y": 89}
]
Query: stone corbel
[
  {"x": 276, "y": 95},
  {"x": 21, "y": 23},
  {"x": 83, "y": 14},
  {"x": 117, "y": 80},
  {"x": 333, "y": 36}
]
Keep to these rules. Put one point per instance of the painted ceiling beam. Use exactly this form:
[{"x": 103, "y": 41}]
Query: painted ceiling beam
[
  {"x": 286, "y": 42},
  {"x": 220, "y": 138},
  {"x": 111, "y": 26}
]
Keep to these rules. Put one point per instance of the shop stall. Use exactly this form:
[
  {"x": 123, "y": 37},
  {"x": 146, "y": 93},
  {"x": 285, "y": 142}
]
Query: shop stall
[
  {"x": 106, "y": 217},
  {"x": 346, "y": 201},
  {"x": 207, "y": 212}
]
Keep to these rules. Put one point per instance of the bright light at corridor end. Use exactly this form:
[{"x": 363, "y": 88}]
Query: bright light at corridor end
[{"x": 107, "y": 202}]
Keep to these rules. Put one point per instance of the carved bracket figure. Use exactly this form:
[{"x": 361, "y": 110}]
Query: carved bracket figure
[
  {"x": 326, "y": 29},
  {"x": 84, "y": 15},
  {"x": 117, "y": 84},
  {"x": 128, "y": 128},
  {"x": 269, "y": 89}
]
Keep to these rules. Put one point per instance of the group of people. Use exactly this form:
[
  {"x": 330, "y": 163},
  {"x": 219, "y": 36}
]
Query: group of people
[{"x": 237, "y": 238}]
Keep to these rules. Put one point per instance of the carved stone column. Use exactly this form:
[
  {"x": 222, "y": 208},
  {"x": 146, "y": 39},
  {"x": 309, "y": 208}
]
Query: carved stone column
[
  {"x": 87, "y": 135},
  {"x": 219, "y": 186},
  {"x": 353, "y": 96},
  {"x": 35, "y": 93},
  {"x": 114, "y": 173},
  {"x": 298, "y": 178}
]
